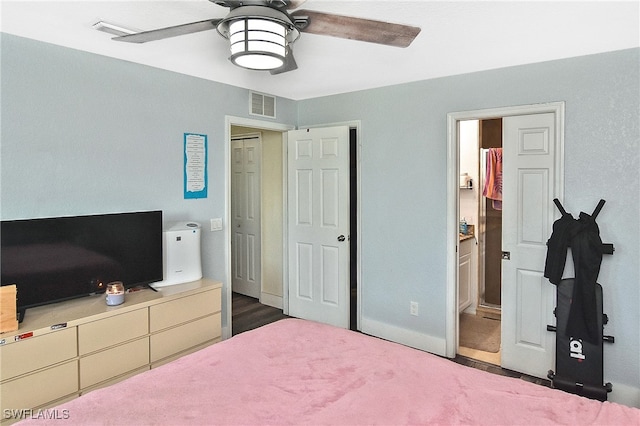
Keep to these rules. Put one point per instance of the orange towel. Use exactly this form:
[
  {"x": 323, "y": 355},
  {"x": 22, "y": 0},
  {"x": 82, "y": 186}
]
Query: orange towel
[{"x": 493, "y": 179}]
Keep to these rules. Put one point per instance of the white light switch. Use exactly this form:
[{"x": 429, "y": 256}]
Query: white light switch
[{"x": 216, "y": 224}]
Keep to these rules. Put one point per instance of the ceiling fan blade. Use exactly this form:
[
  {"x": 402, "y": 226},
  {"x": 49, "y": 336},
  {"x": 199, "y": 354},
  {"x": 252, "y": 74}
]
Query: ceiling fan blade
[
  {"x": 289, "y": 63},
  {"x": 162, "y": 33},
  {"x": 358, "y": 28},
  {"x": 294, "y": 4}
]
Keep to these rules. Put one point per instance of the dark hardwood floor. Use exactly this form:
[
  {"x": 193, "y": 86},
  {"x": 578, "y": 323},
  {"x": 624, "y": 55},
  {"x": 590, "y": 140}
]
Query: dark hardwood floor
[{"x": 248, "y": 313}]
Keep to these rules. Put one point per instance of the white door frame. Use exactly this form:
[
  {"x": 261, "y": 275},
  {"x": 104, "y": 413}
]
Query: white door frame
[
  {"x": 353, "y": 124},
  {"x": 453, "y": 181},
  {"x": 256, "y": 124}
]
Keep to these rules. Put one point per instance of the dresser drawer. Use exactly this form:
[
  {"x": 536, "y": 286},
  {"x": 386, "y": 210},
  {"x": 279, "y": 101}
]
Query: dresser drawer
[
  {"x": 113, "y": 380},
  {"x": 113, "y": 362},
  {"x": 111, "y": 331},
  {"x": 40, "y": 388},
  {"x": 177, "y": 339},
  {"x": 37, "y": 352},
  {"x": 184, "y": 309}
]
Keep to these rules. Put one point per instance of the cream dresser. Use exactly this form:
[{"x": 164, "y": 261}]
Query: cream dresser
[{"x": 65, "y": 349}]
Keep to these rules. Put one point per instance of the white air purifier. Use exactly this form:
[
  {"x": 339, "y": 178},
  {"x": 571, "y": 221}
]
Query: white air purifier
[{"x": 181, "y": 254}]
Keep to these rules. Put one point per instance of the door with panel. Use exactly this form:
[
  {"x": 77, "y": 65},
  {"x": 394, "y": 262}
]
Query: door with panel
[
  {"x": 318, "y": 224},
  {"x": 245, "y": 216},
  {"x": 529, "y": 186}
]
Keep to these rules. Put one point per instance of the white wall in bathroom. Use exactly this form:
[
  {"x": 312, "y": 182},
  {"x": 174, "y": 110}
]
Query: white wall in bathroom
[{"x": 469, "y": 163}]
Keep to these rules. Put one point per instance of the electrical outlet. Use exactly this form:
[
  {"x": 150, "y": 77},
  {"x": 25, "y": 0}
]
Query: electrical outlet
[{"x": 413, "y": 308}]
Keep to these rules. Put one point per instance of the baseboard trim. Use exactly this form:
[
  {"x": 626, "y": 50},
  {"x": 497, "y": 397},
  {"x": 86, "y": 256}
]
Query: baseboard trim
[
  {"x": 226, "y": 332},
  {"x": 404, "y": 336},
  {"x": 271, "y": 300},
  {"x": 489, "y": 312},
  {"x": 625, "y": 395}
]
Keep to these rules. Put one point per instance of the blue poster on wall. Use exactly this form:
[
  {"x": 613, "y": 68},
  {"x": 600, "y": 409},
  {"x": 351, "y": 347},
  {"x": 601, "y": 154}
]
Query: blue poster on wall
[{"x": 195, "y": 166}]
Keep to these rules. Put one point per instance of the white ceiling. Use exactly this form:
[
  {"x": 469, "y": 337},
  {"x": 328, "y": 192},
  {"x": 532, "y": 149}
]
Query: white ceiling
[{"x": 457, "y": 37}]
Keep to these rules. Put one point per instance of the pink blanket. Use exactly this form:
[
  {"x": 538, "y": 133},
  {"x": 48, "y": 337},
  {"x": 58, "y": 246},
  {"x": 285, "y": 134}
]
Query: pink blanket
[{"x": 300, "y": 372}]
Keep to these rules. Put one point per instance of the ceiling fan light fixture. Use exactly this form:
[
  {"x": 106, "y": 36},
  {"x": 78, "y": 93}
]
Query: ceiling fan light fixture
[
  {"x": 259, "y": 36},
  {"x": 257, "y": 44}
]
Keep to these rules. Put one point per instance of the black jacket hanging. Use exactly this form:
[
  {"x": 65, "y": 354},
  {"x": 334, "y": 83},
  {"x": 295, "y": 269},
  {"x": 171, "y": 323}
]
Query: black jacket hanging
[
  {"x": 563, "y": 231},
  {"x": 586, "y": 248},
  {"x": 583, "y": 236}
]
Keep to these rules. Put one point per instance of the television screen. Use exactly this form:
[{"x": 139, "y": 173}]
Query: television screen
[{"x": 54, "y": 259}]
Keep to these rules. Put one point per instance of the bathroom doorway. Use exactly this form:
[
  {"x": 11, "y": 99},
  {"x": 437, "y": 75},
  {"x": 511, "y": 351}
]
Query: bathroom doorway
[
  {"x": 533, "y": 144},
  {"x": 479, "y": 275}
]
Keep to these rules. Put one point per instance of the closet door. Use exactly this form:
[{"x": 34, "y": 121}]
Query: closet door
[{"x": 245, "y": 216}]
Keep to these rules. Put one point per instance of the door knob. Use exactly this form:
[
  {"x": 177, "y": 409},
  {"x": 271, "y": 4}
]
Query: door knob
[
  {"x": 506, "y": 255},
  {"x": 341, "y": 238}
]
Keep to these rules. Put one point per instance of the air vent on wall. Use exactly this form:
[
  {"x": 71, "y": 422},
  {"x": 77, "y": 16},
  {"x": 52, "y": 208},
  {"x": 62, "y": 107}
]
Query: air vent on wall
[{"x": 263, "y": 105}]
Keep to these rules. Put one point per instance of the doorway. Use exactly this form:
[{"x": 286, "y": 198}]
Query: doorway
[
  {"x": 479, "y": 277},
  {"x": 532, "y": 133},
  {"x": 273, "y": 205}
]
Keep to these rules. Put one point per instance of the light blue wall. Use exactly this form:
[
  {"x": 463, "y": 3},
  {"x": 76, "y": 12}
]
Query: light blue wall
[
  {"x": 84, "y": 134},
  {"x": 81, "y": 133},
  {"x": 403, "y": 183}
]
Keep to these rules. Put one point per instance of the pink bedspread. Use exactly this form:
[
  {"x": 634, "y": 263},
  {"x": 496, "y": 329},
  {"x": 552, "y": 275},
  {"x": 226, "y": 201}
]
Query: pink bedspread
[{"x": 304, "y": 373}]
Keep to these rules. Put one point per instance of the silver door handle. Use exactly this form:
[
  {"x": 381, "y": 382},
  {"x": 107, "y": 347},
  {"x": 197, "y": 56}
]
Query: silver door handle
[
  {"x": 506, "y": 255},
  {"x": 341, "y": 238}
]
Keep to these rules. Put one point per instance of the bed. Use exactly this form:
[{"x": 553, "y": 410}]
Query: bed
[{"x": 301, "y": 372}]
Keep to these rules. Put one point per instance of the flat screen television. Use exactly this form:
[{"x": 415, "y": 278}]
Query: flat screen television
[{"x": 59, "y": 258}]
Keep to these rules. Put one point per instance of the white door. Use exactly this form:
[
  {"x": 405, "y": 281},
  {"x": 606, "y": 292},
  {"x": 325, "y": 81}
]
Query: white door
[
  {"x": 318, "y": 224},
  {"x": 245, "y": 216},
  {"x": 528, "y": 299}
]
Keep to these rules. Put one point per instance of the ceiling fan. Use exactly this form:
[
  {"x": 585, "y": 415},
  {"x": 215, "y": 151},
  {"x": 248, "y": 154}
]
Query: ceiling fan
[{"x": 261, "y": 32}]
